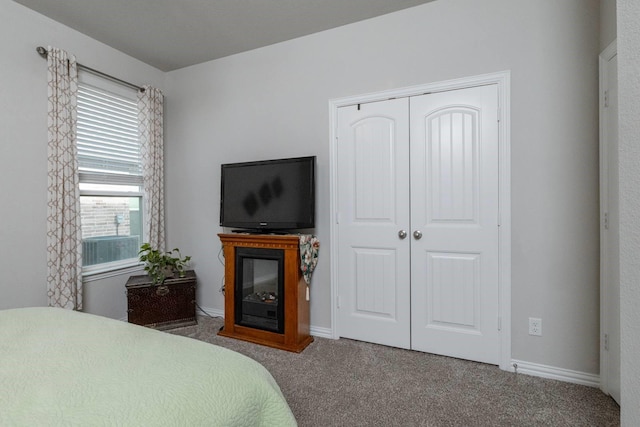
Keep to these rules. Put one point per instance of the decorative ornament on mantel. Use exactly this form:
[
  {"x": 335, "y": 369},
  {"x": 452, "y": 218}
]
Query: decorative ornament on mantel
[{"x": 309, "y": 248}]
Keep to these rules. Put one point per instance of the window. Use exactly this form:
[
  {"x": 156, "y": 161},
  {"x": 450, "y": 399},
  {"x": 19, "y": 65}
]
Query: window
[{"x": 110, "y": 170}]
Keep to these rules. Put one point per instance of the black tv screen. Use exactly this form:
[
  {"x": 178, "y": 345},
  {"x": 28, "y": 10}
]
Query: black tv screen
[{"x": 268, "y": 195}]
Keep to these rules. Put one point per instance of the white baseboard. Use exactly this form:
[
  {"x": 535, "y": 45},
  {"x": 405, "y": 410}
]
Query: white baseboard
[
  {"x": 321, "y": 332},
  {"x": 554, "y": 373},
  {"x": 203, "y": 311},
  {"x": 316, "y": 331}
]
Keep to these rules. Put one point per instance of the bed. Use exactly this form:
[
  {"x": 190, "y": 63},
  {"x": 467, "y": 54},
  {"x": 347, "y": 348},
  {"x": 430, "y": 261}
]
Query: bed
[{"x": 61, "y": 367}]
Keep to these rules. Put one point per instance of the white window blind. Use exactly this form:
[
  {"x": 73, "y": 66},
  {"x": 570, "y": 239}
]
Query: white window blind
[
  {"x": 110, "y": 169},
  {"x": 108, "y": 141}
]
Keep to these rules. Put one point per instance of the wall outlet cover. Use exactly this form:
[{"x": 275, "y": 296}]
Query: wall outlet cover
[{"x": 535, "y": 326}]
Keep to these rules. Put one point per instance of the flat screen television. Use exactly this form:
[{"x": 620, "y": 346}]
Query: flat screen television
[{"x": 268, "y": 195}]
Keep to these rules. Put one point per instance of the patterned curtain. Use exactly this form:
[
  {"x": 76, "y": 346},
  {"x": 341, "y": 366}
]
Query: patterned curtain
[
  {"x": 64, "y": 235},
  {"x": 150, "y": 122}
]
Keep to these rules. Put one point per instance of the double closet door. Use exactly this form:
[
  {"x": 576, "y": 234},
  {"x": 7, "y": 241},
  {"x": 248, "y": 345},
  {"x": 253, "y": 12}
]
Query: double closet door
[{"x": 418, "y": 223}]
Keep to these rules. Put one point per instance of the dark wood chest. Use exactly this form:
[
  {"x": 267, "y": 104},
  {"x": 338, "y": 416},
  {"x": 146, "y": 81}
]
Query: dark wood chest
[{"x": 166, "y": 306}]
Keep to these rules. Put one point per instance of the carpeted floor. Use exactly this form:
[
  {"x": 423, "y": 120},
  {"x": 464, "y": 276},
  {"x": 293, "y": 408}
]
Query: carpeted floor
[{"x": 351, "y": 383}]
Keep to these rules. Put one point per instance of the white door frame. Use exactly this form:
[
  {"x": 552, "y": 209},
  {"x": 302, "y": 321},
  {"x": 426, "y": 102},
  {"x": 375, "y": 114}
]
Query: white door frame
[
  {"x": 605, "y": 380},
  {"x": 503, "y": 80}
]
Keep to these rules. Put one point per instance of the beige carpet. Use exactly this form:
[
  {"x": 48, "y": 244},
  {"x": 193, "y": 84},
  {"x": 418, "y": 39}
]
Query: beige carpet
[{"x": 351, "y": 383}]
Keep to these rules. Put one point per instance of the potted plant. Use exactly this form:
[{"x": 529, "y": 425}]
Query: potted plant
[{"x": 162, "y": 265}]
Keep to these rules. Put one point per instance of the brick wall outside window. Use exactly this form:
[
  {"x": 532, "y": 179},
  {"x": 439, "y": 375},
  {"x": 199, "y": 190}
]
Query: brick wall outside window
[{"x": 99, "y": 216}]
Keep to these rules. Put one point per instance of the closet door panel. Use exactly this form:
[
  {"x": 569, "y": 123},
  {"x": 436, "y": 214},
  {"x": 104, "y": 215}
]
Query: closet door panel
[
  {"x": 373, "y": 200},
  {"x": 454, "y": 206}
]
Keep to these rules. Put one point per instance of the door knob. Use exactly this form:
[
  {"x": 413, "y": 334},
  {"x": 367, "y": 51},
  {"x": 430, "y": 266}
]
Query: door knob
[
  {"x": 402, "y": 234},
  {"x": 417, "y": 234}
]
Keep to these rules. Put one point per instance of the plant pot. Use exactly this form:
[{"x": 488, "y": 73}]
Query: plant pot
[{"x": 168, "y": 272}]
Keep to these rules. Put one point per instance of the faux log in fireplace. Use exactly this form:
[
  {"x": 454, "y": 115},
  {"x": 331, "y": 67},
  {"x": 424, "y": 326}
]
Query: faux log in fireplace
[{"x": 266, "y": 300}]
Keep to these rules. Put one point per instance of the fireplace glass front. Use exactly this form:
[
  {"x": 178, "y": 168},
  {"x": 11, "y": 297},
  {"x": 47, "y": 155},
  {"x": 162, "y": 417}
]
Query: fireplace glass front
[{"x": 259, "y": 289}]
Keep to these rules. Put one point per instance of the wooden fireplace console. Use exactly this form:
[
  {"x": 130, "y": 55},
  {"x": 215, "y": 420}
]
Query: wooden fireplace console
[{"x": 296, "y": 304}]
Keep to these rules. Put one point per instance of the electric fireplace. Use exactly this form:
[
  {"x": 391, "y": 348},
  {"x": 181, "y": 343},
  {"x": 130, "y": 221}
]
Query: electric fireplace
[
  {"x": 266, "y": 299},
  {"x": 259, "y": 288}
]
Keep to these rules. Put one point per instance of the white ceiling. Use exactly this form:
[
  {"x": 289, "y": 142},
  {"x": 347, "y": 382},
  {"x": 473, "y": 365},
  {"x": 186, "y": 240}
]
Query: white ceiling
[{"x": 171, "y": 34}]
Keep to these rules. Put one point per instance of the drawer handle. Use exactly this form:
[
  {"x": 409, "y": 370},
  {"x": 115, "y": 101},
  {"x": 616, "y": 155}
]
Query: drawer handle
[{"x": 162, "y": 290}]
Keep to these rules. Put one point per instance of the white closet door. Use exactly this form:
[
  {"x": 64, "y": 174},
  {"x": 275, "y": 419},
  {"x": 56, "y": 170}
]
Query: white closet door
[
  {"x": 426, "y": 166},
  {"x": 454, "y": 216},
  {"x": 373, "y": 200}
]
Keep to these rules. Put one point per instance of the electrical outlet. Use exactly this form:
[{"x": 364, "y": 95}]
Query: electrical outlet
[{"x": 535, "y": 326}]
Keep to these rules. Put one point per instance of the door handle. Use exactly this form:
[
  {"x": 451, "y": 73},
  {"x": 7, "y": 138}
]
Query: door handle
[
  {"x": 417, "y": 234},
  {"x": 402, "y": 234}
]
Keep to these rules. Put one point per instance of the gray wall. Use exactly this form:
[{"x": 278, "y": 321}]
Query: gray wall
[
  {"x": 629, "y": 131},
  {"x": 608, "y": 28},
  {"x": 23, "y": 152},
  {"x": 273, "y": 102}
]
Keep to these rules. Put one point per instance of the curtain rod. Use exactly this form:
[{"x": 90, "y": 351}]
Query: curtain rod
[{"x": 43, "y": 52}]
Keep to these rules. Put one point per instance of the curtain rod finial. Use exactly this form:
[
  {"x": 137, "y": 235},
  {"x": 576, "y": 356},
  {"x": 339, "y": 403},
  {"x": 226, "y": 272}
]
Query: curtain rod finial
[{"x": 42, "y": 51}]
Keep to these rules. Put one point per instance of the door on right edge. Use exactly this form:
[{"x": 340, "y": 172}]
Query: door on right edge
[
  {"x": 610, "y": 235},
  {"x": 454, "y": 223}
]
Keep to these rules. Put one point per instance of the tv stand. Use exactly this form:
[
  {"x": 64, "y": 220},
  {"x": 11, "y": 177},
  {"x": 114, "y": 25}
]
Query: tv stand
[{"x": 278, "y": 316}]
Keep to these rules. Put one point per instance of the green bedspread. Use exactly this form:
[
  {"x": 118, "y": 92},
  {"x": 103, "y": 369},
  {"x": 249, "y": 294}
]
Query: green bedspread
[{"x": 60, "y": 367}]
